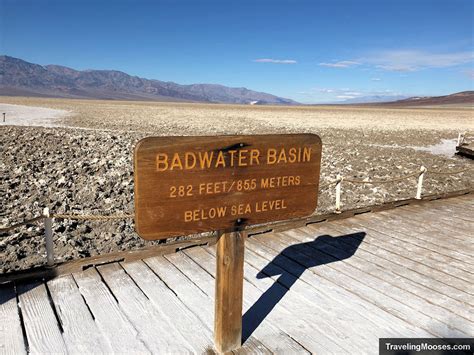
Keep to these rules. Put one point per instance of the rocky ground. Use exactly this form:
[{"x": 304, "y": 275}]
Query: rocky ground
[{"x": 90, "y": 172}]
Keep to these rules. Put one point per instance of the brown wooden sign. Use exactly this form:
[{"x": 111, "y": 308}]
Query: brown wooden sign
[{"x": 186, "y": 185}]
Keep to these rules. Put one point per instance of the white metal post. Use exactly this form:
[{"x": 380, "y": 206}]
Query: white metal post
[
  {"x": 338, "y": 193},
  {"x": 459, "y": 140},
  {"x": 48, "y": 233},
  {"x": 420, "y": 182}
]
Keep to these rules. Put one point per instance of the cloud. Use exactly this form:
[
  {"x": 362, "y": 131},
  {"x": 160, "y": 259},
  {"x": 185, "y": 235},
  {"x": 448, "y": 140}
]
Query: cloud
[
  {"x": 346, "y": 93},
  {"x": 340, "y": 64},
  {"x": 335, "y": 91},
  {"x": 343, "y": 91},
  {"x": 414, "y": 60},
  {"x": 402, "y": 60},
  {"x": 326, "y": 91},
  {"x": 275, "y": 61},
  {"x": 375, "y": 79}
]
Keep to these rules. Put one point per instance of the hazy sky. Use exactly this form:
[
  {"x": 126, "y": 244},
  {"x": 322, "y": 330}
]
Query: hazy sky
[{"x": 310, "y": 51}]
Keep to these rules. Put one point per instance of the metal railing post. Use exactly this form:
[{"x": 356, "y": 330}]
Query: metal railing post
[
  {"x": 338, "y": 193},
  {"x": 48, "y": 233},
  {"x": 420, "y": 182}
]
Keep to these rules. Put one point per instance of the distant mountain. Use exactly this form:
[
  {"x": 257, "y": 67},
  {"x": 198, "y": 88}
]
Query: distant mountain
[
  {"x": 459, "y": 98},
  {"x": 18, "y": 77},
  {"x": 373, "y": 99}
]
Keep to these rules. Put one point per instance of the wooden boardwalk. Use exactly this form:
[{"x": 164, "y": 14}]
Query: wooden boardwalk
[
  {"x": 466, "y": 149},
  {"x": 331, "y": 287}
]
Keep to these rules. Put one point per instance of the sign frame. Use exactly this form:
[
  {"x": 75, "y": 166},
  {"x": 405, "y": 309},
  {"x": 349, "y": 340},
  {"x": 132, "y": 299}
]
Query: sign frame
[{"x": 268, "y": 178}]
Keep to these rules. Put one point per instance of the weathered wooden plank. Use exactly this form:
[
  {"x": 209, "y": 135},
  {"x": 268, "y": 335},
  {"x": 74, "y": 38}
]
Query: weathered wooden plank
[
  {"x": 439, "y": 236},
  {"x": 459, "y": 232},
  {"x": 11, "y": 335},
  {"x": 441, "y": 216},
  {"x": 422, "y": 255},
  {"x": 400, "y": 222},
  {"x": 359, "y": 283},
  {"x": 273, "y": 339},
  {"x": 408, "y": 236},
  {"x": 401, "y": 289},
  {"x": 425, "y": 219},
  {"x": 464, "y": 206},
  {"x": 431, "y": 258},
  {"x": 42, "y": 328},
  {"x": 438, "y": 316},
  {"x": 192, "y": 292},
  {"x": 158, "y": 332},
  {"x": 461, "y": 203},
  {"x": 299, "y": 299},
  {"x": 198, "y": 278},
  {"x": 418, "y": 282},
  {"x": 376, "y": 321},
  {"x": 195, "y": 299},
  {"x": 111, "y": 321},
  {"x": 464, "y": 203},
  {"x": 275, "y": 313},
  {"x": 451, "y": 267},
  {"x": 463, "y": 211},
  {"x": 437, "y": 284},
  {"x": 158, "y": 290},
  {"x": 198, "y": 266},
  {"x": 467, "y": 197},
  {"x": 340, "y": 313},
  {"x": 80, "y": 332}
]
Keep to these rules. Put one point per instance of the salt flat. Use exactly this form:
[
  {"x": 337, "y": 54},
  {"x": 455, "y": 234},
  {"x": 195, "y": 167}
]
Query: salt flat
[
  {"x": 21, "y": 115},
  {"x": 86, "y": 166},
  {"x": 196, "y": 118}
]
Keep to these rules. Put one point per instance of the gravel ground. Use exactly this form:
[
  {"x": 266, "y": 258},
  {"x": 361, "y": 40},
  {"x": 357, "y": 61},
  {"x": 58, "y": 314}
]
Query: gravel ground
[{"x": 90, "y": 172}]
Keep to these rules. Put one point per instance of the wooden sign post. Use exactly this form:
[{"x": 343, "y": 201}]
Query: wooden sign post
[
  {"x": 229, "y": 291},
  {"x": 188, "y": 185}
]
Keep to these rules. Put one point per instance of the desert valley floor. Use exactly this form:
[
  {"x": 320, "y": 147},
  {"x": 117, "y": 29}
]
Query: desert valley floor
[{"x": 78, "y": 159}]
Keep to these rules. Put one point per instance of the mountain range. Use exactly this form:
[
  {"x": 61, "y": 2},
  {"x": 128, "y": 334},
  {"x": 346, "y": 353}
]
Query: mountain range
[
  {"x": 459, "y": 98},
  {"x": 21, "y": 78},
  {"x": 369, "y": 99}
]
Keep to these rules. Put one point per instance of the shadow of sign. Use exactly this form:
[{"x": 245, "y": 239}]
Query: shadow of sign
[{"x": 290, "y": 265}]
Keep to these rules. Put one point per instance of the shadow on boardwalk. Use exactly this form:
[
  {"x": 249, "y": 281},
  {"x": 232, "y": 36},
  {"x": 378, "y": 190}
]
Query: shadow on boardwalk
[{"x": 290, "y": 265}]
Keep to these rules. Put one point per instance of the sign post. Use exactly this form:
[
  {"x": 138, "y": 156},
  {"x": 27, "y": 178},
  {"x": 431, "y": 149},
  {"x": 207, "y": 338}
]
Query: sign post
[
  {"x": 229, "y": 291},
  {"x": 189, "y": 185}
]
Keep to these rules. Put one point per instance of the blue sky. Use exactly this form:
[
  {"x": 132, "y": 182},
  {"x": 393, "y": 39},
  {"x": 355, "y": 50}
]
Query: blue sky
[{"x": 310, "y": 51}]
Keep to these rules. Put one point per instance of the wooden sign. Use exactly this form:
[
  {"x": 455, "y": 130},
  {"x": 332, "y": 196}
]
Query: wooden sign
[{"x": 186, "y": 185}]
